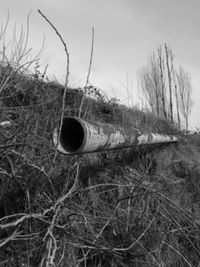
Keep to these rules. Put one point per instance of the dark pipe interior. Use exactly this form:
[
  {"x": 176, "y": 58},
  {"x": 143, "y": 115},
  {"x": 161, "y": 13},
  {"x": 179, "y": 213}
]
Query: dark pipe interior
[{"x": 72, "y": 135}]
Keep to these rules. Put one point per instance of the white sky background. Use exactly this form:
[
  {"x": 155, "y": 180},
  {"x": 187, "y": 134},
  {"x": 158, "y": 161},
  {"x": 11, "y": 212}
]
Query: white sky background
[{"x": 126, "y": 34}]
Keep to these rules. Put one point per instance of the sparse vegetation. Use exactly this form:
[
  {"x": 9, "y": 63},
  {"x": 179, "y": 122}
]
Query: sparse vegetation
[
  {"x": 167, "y": 91},
  {"x": 122, "y": 208}
]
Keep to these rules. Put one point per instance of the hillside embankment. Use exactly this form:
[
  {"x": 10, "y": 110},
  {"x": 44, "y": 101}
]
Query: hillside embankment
[{"x": 130, "y": 207}]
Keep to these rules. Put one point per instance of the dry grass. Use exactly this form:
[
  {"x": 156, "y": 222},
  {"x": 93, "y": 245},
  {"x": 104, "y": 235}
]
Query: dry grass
[{"x": 123, "y": 208}]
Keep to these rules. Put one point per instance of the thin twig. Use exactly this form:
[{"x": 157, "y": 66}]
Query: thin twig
[
  {"x": 138, "y": 239},
  {"x": 62, "y": 199},
  {"x": 88, "y": 74},
  {"x": 65, "y": 86},
  {"x": 51, "y": 242},
  {"x": 178, "y": 252}
]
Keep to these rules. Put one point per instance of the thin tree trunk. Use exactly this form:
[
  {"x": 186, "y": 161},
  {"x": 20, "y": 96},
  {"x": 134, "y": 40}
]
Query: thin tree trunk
[
  {"x": 162, "y": 82},
  {"x": 177, "y": 106},
  {"x": 186, "y": 122},
  {"x": 155, "y": 78},
  {"x": 176, "y": 93},
  {"x": 170, "y": 83},
  {"x": 157, "y": 102}
]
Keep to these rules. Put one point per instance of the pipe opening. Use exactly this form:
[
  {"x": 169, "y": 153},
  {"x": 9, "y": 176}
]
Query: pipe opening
[{"x": 72, "y": 135}]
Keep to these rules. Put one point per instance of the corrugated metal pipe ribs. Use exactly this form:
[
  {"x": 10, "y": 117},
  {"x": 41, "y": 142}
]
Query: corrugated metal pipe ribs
[{"x": 80, "y": 136}]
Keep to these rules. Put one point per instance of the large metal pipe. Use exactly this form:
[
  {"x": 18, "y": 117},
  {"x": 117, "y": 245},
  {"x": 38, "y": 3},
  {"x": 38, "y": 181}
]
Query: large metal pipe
[{"x": 80, "y": 136}]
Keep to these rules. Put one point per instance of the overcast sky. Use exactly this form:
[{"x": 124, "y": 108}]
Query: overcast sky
[{"x": 126, "y": 34}]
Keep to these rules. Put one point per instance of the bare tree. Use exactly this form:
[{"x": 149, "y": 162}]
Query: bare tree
[
  {"x": 155, "y": 82},
  {"x": 169, "y": 57},
  {"x": 167, "y": 91},
  {"x": 146, "y": 88},
  {"x": 176, "y": 95},
  {"x": 184, "y": 94},
  {"x": 161, "y": 70},
  {"x": 150, "y": 82}
]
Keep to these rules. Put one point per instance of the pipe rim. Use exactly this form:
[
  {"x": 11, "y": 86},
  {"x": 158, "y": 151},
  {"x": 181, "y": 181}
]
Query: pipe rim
[{"x": 70, "y": 135}]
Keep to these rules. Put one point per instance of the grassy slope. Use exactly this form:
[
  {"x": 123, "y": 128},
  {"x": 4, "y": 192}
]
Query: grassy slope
[{"x": 127, "y": 208}]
